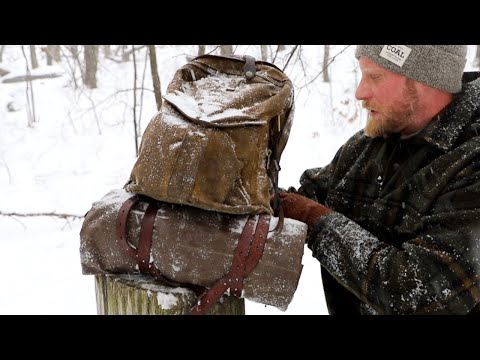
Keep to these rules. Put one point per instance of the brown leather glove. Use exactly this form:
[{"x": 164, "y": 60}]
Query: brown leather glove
[{"x": 301, "y": 208}]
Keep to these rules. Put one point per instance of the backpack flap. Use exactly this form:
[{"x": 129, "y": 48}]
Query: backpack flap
[{"x": 211, "y": 142}]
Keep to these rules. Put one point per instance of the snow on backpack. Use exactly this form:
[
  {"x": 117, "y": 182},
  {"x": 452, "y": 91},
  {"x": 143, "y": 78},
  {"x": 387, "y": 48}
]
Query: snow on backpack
[{"x": 217, "y": 140}]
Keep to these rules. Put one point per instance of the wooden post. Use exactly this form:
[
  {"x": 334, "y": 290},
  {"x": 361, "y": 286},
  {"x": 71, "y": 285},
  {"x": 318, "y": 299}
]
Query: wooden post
[{"x": 140, "y": 295}]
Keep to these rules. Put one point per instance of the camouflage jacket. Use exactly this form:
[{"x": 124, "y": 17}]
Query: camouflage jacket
[{"x": 405, "y": 234}]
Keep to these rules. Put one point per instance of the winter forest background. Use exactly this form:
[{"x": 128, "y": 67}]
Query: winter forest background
[{"x": 71, "y": 120}]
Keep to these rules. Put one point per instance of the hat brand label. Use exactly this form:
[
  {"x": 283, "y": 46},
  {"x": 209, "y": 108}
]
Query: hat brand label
[{"x": 396, "y": 54}]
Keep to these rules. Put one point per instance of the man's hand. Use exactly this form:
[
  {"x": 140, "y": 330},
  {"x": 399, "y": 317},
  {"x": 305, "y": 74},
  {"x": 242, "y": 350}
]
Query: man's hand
[{"x": 301, "y": 208}]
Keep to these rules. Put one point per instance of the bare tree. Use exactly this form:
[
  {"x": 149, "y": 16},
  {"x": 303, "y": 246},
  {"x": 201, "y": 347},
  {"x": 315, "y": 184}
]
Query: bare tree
[
  {"x": 73, "y": 62},
  {"x": 321, "y": 71},
  {"x": 125, "y": 53},
  {"x": 142, "y": 90},
  {"x": 107, "y": 52},
  {"x": 264, "y": 52},
  {"x": 52, "y": 52},
  {"x": 49, "y": 56},
  {"x": 55, "y": 52},
  {"x": 29, "y": 93},
  {"x": 135, "y": 126},
  {"x": 155, "y": 78},
  {"x": 477, "y": 56},
  {"x": 326, "y": 55},
  {"x": 91, "y": 63},
  {"x": 290, "y": 56},
  {"x": 226, "y": 49},
  {"x": 33, "y": 57},
  {"x": 279, "y": 49},
  {"x": 51, "y": 213},
  {"x": 201, "y": 50}
]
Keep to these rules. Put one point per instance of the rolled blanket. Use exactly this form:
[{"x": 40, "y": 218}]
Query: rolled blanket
[{"x": 194, "y": 246}]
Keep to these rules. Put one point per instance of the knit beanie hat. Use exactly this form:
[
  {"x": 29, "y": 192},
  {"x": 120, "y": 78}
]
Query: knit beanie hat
[{"x": 439, "y": 66}]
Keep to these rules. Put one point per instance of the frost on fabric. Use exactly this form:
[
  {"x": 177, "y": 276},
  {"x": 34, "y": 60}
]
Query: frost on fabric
[
  {"x": 172, "y": 119},
  {"x": 208, "y": 98},
  {"x": 410, "y": 273},
  {"x": 85, "y": 255},
  {"x": 465, "y": 109},
  {"x": 290, "y": 228},
  {"x": 111, "y": 202},
  {"x": 238, "y": 225},
  {"x": 114, "y": 198},
  {"x": 344, "y": 246}
]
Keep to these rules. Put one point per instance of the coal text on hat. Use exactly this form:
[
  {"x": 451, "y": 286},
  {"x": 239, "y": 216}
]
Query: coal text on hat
[{"x": 396, "y": 54}]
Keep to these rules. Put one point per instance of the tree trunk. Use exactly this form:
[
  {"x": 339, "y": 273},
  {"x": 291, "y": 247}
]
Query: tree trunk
[
  {"x": 2, "y": 47},
  {"x": 201, "y": 50},
  {"x": 91, "y": 62},
  {"x": 155, "y": 78},
  {"x": 140, "y": 295},
  {"x": 49, "y": 56},
  {"x": 135, "y": 125},
  {"x": 107, "y": 52},
  {"x": 33, "y": 57},
  {"x": 29, "y": 93},
  {"x": 264, "y": 52},
  {"x": 326, "y": 56},
  {"x": 226, "y": 49},
  {"x": 125, "y": 53},
  {"x": 75, "y": 56},
  {"x": 55, "y": 51},
  {"x": 477, "y": 56}
]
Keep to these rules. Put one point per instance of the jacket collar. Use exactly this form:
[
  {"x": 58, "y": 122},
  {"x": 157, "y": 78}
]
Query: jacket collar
[{"x": 445, "y": 129}]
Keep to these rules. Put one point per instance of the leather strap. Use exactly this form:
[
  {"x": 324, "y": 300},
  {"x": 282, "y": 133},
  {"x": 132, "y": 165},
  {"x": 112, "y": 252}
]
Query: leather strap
[
  {"x": 237, "y": 269},
  {"x": 248, "y": 252},
  {"x": 242, "y": 265},
  {"x": 258, "y": 245},
  {"x": 121, "y": 226},
  {"x": 142, "y": 255},
  {"x": 146, "y": 232},
  {"x": 249, "y": 69}
]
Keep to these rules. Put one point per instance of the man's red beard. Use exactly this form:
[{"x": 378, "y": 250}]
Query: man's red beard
[
  {"x": 386, "y": 121},
  {"x": 394, "y": 118}
]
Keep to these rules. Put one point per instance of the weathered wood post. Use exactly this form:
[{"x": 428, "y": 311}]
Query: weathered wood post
[{"x": 141, "y": 295}]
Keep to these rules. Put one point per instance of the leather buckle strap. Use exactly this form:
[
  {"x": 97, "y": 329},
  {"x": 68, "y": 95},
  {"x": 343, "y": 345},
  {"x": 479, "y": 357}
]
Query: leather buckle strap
[
  {"x": 258, "y": 244},
  {"x": 142, "y": 254},
  {"x": 249, "y": 68},
  {"x": 145, "y": 245},
  {"x": 121, "y": 226},
  {"x": 235, "y": 280},
  {"x": 146, "y": 232},
  {"x": 242, "y": 264}
]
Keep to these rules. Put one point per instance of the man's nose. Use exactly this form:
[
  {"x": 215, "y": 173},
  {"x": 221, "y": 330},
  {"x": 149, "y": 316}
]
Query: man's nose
[{"x": 362, "y": 92}]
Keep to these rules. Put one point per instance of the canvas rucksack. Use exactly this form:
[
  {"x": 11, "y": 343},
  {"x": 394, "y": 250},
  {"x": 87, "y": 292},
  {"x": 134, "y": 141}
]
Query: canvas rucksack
[
  {"x": 214, "y": 145},
  {"x": 217, "y": 140}
]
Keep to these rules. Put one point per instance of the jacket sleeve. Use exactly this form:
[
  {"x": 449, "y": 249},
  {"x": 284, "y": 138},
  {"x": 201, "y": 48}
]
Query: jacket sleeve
[{"x": 437, "y": 271}]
